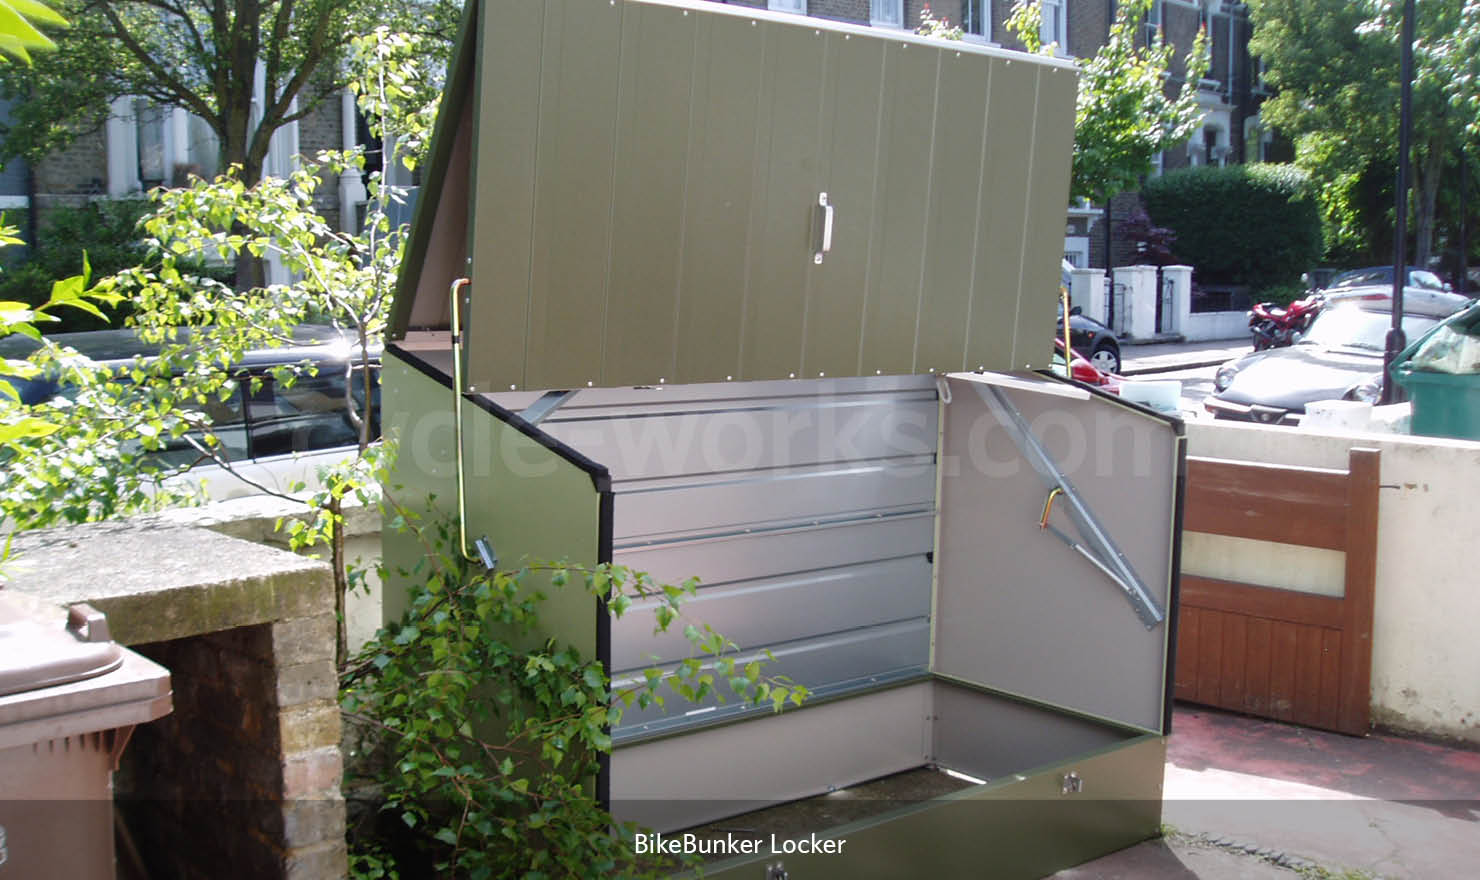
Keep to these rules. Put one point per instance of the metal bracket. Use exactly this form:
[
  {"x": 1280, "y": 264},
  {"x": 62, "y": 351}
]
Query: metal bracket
[
  {"x": 547, "y": 404},
  {"x": 1101, "y": 550}
]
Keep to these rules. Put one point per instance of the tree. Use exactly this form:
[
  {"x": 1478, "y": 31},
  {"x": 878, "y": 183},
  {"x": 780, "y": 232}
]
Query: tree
[
  {"x": 1335, "y": 67},
  {"x": 96, "y": 464},
  {"x": 1124, "y": 115},
  {"x": 202, "y": 55}
]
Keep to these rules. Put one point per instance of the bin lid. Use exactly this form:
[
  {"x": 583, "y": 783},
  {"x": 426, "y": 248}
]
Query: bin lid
[{"x": 36, "y": 655}]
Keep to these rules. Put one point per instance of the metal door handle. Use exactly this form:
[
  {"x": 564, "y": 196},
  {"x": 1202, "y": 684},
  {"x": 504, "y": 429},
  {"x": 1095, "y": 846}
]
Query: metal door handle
[{"x": 824, "y": 227}]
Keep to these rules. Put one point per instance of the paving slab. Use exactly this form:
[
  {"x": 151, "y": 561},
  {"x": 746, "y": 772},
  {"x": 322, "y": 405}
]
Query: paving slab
[
  {"x": 1143, "y": 360},
  {"x": 1246, "y": 797},
  {"x": 1179, "y": 857}
]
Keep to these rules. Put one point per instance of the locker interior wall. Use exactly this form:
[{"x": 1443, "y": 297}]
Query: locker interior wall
[{"x": 1016, "y": 609}]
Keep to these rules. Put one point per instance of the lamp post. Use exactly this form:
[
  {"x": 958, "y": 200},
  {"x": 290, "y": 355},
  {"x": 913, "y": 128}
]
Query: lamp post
[{"x": 1396, "y": 339}]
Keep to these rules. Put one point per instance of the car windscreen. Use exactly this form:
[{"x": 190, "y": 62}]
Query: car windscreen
[
  {"x": 1362, "y": 278},
  {"x": 1351, "y": 326}
]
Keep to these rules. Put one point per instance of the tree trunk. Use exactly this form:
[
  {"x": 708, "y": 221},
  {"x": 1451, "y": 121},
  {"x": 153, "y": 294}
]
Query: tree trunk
[
  {"x": 1425, "y": 198},
  {"x": 335, "y": 509}
]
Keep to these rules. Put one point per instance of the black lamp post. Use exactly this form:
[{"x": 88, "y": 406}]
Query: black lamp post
[{"x": 1396, "y": 339}]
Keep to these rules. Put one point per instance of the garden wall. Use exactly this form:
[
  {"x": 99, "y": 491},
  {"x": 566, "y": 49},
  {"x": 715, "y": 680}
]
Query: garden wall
[{"x": 1425, "y": 656}]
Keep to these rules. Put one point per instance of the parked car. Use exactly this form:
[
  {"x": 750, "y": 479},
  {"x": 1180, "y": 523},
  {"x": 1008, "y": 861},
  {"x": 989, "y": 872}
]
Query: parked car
[
  {"x": 274, "y": 435},
  {"x": 1382, "y": 276},
  {"x": 1096, "y": 341},
  {"x": 1339, "y": 358}
]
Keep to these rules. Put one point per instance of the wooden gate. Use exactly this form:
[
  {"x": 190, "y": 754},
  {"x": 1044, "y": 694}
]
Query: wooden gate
[{"x": 1282, "y": 654}]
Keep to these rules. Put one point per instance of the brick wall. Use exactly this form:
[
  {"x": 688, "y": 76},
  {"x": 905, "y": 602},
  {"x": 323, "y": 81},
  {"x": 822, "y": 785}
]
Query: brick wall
[
  {"x": 242, "y": 779},
  {"x": 80, "y": 169},
  {"x": 1087, "y": 26},
  {"x": 1121, "y": 208},
  {"x": 323, "y": 129}
]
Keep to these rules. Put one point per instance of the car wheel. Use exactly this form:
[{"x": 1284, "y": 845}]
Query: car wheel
[{"x": 1106, "y": 357}]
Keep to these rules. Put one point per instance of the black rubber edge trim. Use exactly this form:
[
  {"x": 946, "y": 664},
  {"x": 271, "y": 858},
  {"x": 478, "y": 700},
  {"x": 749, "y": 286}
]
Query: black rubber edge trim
[
  {"x": 604, "y": 529},
  {"x": 1174, "y": 603},
  {"x": 601, "y": 478},
  {"x": 1174, "y": 421}
]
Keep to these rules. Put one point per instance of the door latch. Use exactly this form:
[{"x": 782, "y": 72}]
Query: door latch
[{"x": 1071, "y": 783}]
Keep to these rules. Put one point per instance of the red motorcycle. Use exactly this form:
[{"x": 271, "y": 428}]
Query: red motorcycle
[{"x": 1275, "y": 327}]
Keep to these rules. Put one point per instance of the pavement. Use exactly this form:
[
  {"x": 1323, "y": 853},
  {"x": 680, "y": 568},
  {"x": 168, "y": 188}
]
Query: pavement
[
  {"x": 1249, "y": 798},
  {"x": 1145, "y": 360}
]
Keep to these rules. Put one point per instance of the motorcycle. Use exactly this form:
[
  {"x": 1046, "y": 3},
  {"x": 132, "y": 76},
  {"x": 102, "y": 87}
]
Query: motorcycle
[{"x": 1275, "y": 327}]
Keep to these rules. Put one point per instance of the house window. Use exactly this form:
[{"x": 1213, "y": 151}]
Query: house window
[
  {"x": 153, "y": 143},
  {"x": 170, "y": 145},
  {"x": 1205, "y": 22},
  {"x": 797, "y": 6},
  {"x": 976, "y": 20},
  {"x": 1154, "y": 20},
  {"x": 1054, "y": 28},
  {"x": 886, "y": 13}
]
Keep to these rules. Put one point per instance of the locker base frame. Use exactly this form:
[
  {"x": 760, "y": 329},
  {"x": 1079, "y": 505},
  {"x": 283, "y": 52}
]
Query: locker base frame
[{"x": 1051, "y": 789}]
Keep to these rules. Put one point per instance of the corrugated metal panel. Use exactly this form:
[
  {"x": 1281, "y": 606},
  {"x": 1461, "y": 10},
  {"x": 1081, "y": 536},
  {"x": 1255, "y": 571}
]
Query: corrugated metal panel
[
  {"x": 647, "y": 174},
  {"x": 815, "y": 496},
  {"x": 506, "y": 119}
]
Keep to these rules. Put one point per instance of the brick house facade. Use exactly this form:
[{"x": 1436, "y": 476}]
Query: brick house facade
[{"x": 118, "y": 159}]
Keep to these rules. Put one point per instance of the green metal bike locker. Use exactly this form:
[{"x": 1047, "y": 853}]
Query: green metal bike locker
[{"x": 757, "y": 298}]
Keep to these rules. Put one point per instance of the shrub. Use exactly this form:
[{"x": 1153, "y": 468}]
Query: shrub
[
  {"x": 107, "y": 232},
  {"x": 1257, "y": 225}
]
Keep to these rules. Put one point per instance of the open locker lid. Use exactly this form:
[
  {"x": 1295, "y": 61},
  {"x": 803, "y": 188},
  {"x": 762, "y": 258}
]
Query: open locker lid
[{"x": 1059, "y": 523}]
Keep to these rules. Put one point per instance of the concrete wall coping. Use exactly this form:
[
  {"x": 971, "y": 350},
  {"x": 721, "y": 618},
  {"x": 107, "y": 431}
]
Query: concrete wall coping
[
  {"x": 255, "y": 517},
  {"x": 158, "y": 582}
]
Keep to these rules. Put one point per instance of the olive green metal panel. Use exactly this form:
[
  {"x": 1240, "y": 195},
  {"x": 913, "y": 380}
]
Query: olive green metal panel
[
  {"x": 897, "y": 246},
  {"x": 573, "y": 192},
  {"x": 653, "y": 126},
  {"x": 416, "y": 415},
  {"x": 781, "y": 222},
  {"x": 728, "y": 126},
  {"x": 852, "y": 101},
  {"x": 1043, "y": 225},
  {"x": 645, "y": 181},
  {"x": 956, "y": 205},
  {"x": 1022, "y": 827},
  {"x": 532, "y": 504},
  {"x": 502, "y": 193},
  {"x": 1000, "y": 232},
  {"x": 535, "y": 507},
  {"x": 990, "y": 736}
]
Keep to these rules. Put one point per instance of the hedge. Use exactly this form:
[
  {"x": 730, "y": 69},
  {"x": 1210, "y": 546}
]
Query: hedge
[{"x": 1258, "y": 225}]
